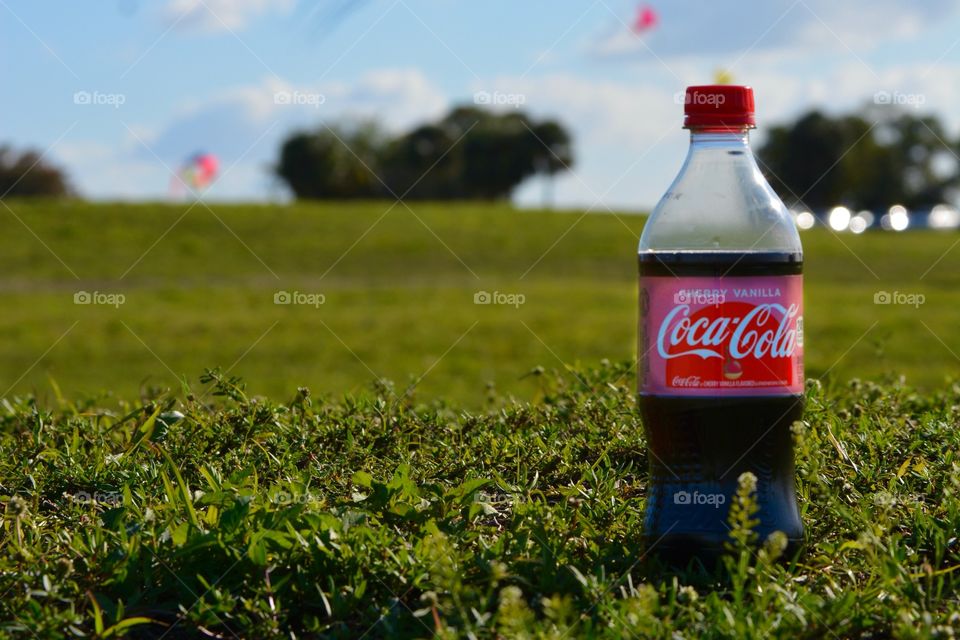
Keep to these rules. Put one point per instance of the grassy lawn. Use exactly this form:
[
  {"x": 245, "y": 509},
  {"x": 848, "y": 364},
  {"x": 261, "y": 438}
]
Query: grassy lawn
[
  {"x": 375, "y": 518},
  {"x": 398, "y": 287},
  {"x": 495, "y": 488}
]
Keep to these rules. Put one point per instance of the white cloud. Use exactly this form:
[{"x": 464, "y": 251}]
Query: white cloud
[
  {"x": 220, "y": 15},
  {"x": 628, "y": 140},
  {"x": 229, "y": 122},
  {"x": 604, "y": 111},
  {"x": 397, "y": 98}
]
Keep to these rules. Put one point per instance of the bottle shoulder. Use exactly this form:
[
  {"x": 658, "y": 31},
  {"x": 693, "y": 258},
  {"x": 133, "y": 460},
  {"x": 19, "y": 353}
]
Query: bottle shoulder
[{"x": 725, "y": 207}]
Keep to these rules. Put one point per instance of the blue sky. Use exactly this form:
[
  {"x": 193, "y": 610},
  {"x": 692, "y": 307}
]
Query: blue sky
[{"x": 170, "y": 77}]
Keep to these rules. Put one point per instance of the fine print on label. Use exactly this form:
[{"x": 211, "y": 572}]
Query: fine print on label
[{"x": 721, "y": 336}]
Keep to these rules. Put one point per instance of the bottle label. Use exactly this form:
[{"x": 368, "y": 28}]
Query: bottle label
[{"x": 734, "y": 335}]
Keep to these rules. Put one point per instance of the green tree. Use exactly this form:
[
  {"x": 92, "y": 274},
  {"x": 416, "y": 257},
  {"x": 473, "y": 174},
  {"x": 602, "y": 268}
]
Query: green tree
[
  {"x": 501, "y": 151},
  {"x": 332, "y": 162},
  {"x": 870, "y": 161},
  {"x": 471, "y": 153},
  {"x": 26, "y": 174},
  {"x": 423, "y": 163}
]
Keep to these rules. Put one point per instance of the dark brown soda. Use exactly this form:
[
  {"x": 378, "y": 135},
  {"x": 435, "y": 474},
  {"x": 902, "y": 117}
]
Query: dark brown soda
[{"x": 699, "y": 446}]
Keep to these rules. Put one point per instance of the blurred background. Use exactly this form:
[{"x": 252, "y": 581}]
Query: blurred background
[{"x": 326, "y": 193}]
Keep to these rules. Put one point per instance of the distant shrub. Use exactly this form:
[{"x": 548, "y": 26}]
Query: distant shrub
[{"x": 26, "y": 174}]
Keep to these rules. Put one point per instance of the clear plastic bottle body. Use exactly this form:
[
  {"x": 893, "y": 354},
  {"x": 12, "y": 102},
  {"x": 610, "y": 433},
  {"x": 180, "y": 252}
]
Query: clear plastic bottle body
[{"x": 720, "y": 227}]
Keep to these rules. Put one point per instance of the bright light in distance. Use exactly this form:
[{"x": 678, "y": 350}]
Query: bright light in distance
[
  {"x": 839, "y": 218},
  {"x": 858, "y": 224},
  {"x": 898, "y": 217},
  {"x": 805, "y": 220},
  {"x": 867, "y": 217},
  {"x": 943, "y": 217}
]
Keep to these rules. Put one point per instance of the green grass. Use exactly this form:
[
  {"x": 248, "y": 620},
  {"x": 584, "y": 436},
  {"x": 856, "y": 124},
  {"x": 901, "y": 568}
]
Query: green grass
[
  {"x": 399, "y": 287},
  {"x": 495, "y": 489},
  {"x": 376, "y": 517}
]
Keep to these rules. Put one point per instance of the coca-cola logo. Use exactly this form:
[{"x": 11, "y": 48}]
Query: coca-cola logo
[{"x": 766, "y": 330}]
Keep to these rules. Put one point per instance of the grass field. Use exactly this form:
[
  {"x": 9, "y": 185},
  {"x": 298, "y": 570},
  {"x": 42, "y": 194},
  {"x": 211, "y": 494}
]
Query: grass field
[
  {"x": 487, "y": 502},
  {"x": 373, "y": 518},
  {"x": 398, "y": 287}
]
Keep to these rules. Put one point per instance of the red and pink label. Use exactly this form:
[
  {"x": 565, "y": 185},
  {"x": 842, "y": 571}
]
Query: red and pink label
[{"x": 703, "y": 336}]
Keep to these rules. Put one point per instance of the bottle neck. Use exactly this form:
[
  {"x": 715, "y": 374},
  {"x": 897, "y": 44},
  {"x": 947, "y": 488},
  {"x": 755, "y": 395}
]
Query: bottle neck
[{"x": 730, "y": 139}]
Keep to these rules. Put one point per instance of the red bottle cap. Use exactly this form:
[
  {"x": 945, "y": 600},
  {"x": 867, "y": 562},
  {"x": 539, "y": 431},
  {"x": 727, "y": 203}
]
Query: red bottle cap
[{"x": 722, "y": 106}]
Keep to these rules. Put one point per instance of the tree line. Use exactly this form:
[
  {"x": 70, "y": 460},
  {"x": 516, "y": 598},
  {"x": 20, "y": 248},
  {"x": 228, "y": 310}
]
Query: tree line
[{"x": 867, "y": 160}]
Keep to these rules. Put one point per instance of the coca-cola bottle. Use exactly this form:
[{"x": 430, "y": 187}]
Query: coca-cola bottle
[{"x": 720, "y": 356}]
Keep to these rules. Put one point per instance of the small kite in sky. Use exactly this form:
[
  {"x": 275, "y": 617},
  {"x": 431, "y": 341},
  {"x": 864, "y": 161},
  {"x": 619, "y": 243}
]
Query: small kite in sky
[
  {"x": 646, "y": 19},
  {"x": 197, "y": 173}
]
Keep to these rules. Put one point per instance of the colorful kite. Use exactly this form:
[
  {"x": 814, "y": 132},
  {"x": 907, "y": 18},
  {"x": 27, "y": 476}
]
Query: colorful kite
[
  {"x": 197, "y": 173},
  {"x": 646, "y": 19}
]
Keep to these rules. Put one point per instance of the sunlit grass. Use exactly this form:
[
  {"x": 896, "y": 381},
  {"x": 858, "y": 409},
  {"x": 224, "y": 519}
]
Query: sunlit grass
[
  {"x": 399, "y": 297},
  {"x": 379, "y": 516}
]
